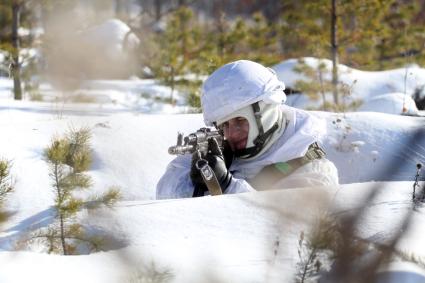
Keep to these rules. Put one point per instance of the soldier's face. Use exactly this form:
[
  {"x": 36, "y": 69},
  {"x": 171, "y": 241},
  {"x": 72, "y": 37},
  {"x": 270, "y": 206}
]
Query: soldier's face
[{"x": 236, "y": 132}]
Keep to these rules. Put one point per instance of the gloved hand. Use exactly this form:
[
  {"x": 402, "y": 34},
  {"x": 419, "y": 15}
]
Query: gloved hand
[{"x": 215, "y": 159}]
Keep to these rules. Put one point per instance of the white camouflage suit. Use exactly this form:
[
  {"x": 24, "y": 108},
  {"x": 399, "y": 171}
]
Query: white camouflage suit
[{"x": 248, "y": 82}]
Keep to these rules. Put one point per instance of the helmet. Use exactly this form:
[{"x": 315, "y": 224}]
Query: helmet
[{"x": 245, "y": 89}]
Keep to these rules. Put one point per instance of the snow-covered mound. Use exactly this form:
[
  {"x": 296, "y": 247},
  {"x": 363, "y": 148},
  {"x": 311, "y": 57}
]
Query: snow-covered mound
[
  {"x": 231, "y": 238},
  {"x": 130, "y": 149},
  {"x": 363, "y": 84},
  {"x": 369, "y": 146},
  {"x": 392, "y": 103},
  {"x": 250, "y": 237}
]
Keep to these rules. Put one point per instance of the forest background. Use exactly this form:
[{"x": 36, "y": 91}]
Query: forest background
[{"x": 182, "y": 41}]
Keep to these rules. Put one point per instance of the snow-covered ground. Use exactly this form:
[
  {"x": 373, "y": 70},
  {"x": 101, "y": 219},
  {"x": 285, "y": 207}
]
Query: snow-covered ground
[
  {"x": 232, "y": 238},
  {"x": 386, "y": 91}
]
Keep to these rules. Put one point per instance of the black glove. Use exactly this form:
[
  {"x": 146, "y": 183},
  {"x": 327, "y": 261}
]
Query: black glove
[{"x": 215, "y": 159}]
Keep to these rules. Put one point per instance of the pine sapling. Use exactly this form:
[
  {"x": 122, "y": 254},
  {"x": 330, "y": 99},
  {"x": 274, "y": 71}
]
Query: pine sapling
[
  {"x": 348, "y": 103},
  {"x": 65, "y": 160},
  {"x": 318, "y": 249},
  {"x": 307, "y": 260},
  {"x": 315, "y": 86},
  {"x": 69, "y": 157}
]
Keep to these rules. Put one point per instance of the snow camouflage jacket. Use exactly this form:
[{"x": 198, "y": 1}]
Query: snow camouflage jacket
[{"x": 301, "y": 131}]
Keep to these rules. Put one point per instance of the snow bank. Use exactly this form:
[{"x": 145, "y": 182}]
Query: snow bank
[
  {"x": 231, "y": 238},
  {"x": 392, "y": 103},
  {"x": 249, "y": 237},
  {"x": 364, "y": 85},
  {"x": 130, "y": 149},
  {"x": 370, "y": 146}
]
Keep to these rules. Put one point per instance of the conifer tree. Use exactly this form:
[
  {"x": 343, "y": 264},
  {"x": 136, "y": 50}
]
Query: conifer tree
[
  {"x": 69, "y": 157},
  {"x": 229, "y": 40},
  {"x": 262, "y": 41},
  {"x": 177, "y": 45},
  {"x": 317, "y": 85},
  {"x": 253, "y": 39},
  {"x": 403, "y": 39},
  {"x": 10, "y": 19},
  {"x": 346, "y": 32},
  {"x": 14, "y": 15},
  {"x": 373, "y": 34}
]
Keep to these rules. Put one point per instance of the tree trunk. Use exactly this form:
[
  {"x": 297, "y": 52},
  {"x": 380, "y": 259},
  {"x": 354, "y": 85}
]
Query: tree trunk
[
  {"x": 172, "y": 86},
  {"x": 59, "y": 205},
  {"x": 158, "y": 8},
  {"x": 62, "y": 229},
  {"x": 183, "y": 37},
  {"x": 16, "y": 65},
  {"x": 322, "y": 90},
  {"x": 121, "y": 9},
  {"x": 334, "y": 52},
  {"x": 218, "y": 14}
]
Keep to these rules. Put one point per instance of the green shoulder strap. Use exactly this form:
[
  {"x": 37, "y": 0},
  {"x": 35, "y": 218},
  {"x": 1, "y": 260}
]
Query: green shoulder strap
[
  {"x": 314, "y": 152},
  {"x": 273, "y": 173}
]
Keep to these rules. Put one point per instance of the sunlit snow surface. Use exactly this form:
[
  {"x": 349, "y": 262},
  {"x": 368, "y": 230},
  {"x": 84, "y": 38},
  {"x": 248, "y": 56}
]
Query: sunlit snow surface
[{"x": 233, "y": 238}]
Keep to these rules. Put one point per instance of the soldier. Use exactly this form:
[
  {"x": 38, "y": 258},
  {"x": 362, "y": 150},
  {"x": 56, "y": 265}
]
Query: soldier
[{"x": 267, "y": 145}]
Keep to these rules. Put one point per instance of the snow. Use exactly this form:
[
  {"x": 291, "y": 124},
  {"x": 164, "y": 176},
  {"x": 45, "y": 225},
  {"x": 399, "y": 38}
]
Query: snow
[
  {"x": 364, "y": 145},
  {"x": 195, "y": 240},
  {"x": 249, "y": 237},
  {"x": 392, "y": 103},
  {"x": 388, "y": 87}
]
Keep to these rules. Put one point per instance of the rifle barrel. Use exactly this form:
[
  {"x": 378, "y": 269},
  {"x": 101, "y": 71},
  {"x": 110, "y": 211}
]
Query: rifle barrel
[{"x": 181, "y": 149}]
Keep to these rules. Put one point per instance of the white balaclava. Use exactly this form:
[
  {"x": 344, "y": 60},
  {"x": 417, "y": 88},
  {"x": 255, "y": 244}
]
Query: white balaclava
[{"x": 239, "y": 89}]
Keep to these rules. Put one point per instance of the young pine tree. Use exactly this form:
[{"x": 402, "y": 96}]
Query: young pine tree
[
  {"x": 402, "y": 40},
  {"x": 178, "y": 43},
  {"x": 68, "y": 158},
  {"x": 262, "y": 41},
  {"x": 316, "y": 250},
  {"x": 317, "y": 85},
  {"x": 228, "y": 39},
  {"x": 346, "y": 32}
]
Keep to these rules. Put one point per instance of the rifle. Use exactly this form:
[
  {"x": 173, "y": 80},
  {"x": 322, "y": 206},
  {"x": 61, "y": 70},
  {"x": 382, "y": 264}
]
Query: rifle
[{"x": 197, "y": 141}]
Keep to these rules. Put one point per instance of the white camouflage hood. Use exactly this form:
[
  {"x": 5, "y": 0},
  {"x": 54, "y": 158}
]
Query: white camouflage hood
[{"x": 236, "y": 85}]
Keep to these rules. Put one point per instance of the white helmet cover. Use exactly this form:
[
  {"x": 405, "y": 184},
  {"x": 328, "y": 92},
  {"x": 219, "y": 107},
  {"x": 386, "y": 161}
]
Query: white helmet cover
[
  {"x": 232, "y": 90},
  {"x": 237, "y": 85}
]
